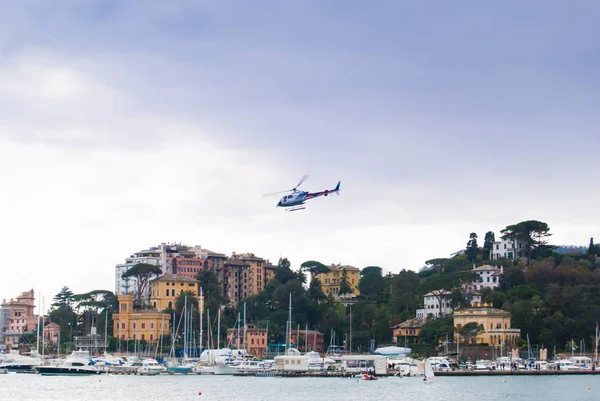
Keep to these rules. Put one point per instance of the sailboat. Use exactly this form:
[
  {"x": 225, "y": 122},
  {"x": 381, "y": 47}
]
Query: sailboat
[{"x": 429, "y": 374}]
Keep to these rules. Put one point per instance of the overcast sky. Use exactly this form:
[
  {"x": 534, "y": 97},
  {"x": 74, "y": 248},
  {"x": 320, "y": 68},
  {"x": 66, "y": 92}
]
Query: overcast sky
[{"x": 124, "y": 124}]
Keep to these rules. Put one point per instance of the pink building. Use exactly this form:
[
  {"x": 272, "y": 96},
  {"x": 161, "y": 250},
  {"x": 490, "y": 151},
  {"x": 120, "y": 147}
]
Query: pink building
[
  {"x": 51, "y": 333},
  {"x": 17, "y": 317}
]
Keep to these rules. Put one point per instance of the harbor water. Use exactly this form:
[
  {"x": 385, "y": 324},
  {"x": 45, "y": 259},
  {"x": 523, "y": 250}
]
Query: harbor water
[{"x": 30, "y": 387}]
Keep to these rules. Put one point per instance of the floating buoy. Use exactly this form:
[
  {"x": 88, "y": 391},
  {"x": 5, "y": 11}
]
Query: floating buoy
[
  {"x": 199, "y": 392},
  {"x": 589, "y": 388}
]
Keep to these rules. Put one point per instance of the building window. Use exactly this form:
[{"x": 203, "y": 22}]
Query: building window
[
  {"x": 167, "y": 292},
  {"x": 123, "y": 325},
  {"x": 134, "y": 325},
  {"x": 143, "y": 326},
  {"x": 151, "y": 325},
  {"x": 123, "y": 307}
]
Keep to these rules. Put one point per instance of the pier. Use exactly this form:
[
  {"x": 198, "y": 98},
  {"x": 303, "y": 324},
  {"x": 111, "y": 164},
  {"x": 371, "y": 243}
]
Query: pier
[
  {"x": 457, "y": 373},
  {"x": 286, "y": 373}
]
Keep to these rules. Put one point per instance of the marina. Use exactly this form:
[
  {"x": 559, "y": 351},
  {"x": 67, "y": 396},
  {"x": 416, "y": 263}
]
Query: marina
[{"x": 189, "y": 387}]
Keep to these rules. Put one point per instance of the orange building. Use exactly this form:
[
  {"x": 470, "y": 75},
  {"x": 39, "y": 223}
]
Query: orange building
[
  {"x": 408, "y": 330},
  {"x": 256, "y": 339}
]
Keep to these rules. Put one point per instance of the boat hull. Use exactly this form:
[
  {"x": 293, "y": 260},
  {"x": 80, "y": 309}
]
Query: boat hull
[
  {"x": 18, "y": 368},
  {"x": 58, "y": 371}
]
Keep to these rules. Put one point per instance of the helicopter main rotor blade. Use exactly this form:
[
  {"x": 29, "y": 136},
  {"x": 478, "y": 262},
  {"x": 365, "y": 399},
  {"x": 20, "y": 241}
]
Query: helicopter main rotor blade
[
  {"x": 276, "y": 193},
  {"x": 304, "y": 177}
]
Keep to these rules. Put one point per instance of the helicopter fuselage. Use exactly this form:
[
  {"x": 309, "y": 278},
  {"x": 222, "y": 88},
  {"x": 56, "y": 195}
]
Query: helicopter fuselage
[
  {"x": 297, "y": 198},
  {"x": 293, "y": 199}
]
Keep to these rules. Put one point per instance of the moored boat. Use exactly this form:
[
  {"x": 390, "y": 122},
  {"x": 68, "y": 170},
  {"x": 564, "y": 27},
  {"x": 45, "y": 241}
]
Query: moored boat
[{"x": 78, "y": 363}]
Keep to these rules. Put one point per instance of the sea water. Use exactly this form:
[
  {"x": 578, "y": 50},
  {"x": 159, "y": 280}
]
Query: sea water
[{"x": 28, "y": 387}]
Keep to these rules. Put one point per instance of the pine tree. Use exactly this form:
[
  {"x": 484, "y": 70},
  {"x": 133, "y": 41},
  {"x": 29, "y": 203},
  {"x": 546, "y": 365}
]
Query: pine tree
[
  {"x": 64, "y": 298},
  {"x": 472, "y": 247},
  {"x": 488, "y": 244},
  {"x": 344, "y": 285}
]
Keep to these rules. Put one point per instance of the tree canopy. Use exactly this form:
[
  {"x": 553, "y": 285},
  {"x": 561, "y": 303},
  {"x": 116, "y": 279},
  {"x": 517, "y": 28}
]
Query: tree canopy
[
  {"x": 63, "y": 299},
  {"x": 472, "y": 248},
  {"x": 531, "y": 233},
  {"x": 142, "y": 272},
  {"x": 314, "y": 267},
  {"x": 371, "y": 281}
]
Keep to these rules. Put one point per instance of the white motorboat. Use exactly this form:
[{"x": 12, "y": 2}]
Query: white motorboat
[
  {"x": 251, "y": 366},
  {"x": 14, "y": 362},
  {"x": 149, "y": 366},
  {"x": 78, "y": 363}
]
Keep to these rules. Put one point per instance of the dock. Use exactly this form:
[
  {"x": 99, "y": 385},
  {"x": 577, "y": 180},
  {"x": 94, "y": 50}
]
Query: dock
[
  {"x": 288, "y": 373},
  {"x": 460, "y": 373}
]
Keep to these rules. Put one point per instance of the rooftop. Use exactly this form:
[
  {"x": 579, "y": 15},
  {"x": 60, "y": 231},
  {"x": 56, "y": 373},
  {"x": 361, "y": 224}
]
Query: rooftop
[
  {"x": 415, "y": 323},
  {"x": 245, "y": 256},
  {"x": 486, "y": 268},
  {"x": 436, "y": 293},
  {"x": 339, "y": 267},
  {"x": 481, "y": 310},
  {"x": 174, "y": 277}
]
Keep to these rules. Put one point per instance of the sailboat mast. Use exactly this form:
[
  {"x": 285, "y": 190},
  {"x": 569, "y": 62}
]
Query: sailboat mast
[
  {"x": 351, "y": 325},
  {"x": 38, "y": 324},
  {"x": 596, "y": 361},
  {"x": 43, "y": 324},
  {"x": 244, "y": 326},
  {"x": 306, "y": 339},
  {"x": 208, "y": 329},
  {"x": 219, "y": 328},
  {"x": 237, "y": 332},
  {"x": 185, "y": 325},
  {"x": 289, "y": 328},
  {"x": 201, "y": 313},
  {"x": 105, "y": 331}
]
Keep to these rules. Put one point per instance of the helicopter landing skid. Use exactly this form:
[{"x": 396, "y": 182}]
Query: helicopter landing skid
[{"x": 293, "y": 209}]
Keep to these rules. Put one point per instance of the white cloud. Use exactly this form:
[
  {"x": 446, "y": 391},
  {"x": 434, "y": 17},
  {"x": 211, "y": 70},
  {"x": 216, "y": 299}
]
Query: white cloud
[{"x": 173, "y": 133}]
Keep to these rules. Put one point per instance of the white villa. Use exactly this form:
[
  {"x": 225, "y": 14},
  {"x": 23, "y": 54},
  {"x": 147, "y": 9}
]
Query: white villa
[
  {"x": 437, "y": 302},
  {"x": 507, "y": 249}
]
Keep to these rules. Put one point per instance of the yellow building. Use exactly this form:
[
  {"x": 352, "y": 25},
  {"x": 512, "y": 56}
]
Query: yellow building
[
  {"x": 145, "y": 324},
  {"x": 495, "y": 322},
  {"x": 330, "y": 282},
  {"x": 165, "y": 290}
]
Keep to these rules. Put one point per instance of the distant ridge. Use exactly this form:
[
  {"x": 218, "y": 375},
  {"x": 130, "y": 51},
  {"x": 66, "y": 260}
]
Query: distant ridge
[{"x": 571, "y": 249}]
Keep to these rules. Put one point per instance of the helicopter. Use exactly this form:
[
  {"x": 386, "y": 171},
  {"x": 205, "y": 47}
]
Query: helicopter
[{"x": 295, "y": 200}]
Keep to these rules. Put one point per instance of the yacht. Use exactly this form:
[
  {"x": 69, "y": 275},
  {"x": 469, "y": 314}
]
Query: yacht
[
  {"x": 14, "y": 362},
  {"x": 565, "y": 364},
  {"x": 149, "y": 366},
  {"x": 78, "y": 363},
  {"x": 250, "y": 366}
]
